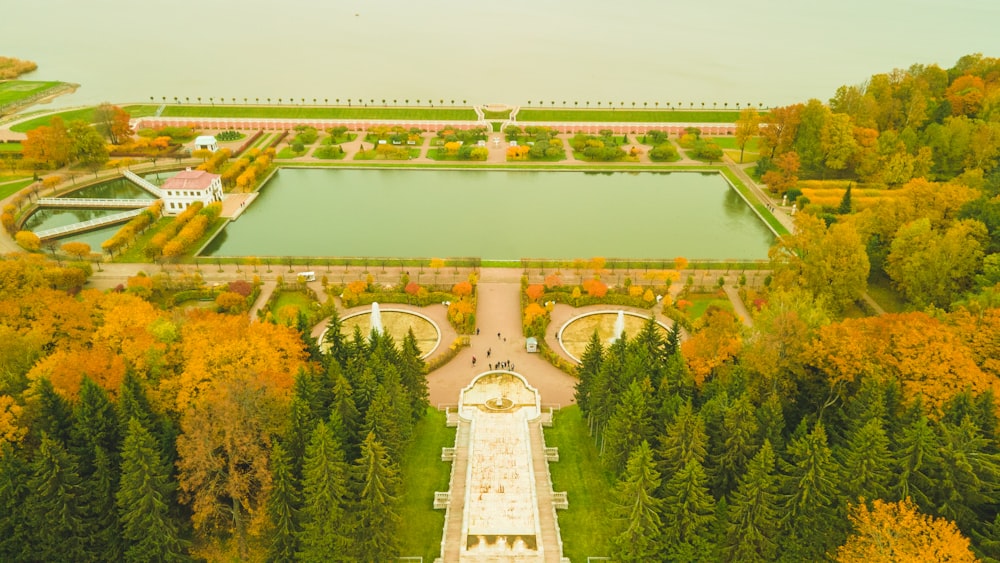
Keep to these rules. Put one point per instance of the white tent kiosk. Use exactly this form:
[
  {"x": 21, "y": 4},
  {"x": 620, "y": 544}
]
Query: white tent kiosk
[
  {"x": 531, "y": 344},
  {"x": 206, "y": 142},
  {"x": 307, "y": 276}
]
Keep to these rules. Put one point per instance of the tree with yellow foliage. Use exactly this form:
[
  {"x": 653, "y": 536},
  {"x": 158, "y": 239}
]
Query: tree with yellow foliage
[{"x": 896, "y": 532}]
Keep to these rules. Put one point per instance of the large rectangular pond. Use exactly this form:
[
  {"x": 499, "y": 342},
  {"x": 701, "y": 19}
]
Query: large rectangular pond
[{"x": 496, "y": 215}]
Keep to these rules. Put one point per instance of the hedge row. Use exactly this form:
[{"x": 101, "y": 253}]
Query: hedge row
[
  {"x": 155, "y": 246},
  {"x": 192, "y": 231},
  {"x": 248, "y": 143},
  {"x": 217, "y": 159},
  {"x": 133, "y": 228}
]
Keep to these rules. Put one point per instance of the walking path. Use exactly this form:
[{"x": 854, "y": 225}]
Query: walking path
[{"x": 499, "y": 312}]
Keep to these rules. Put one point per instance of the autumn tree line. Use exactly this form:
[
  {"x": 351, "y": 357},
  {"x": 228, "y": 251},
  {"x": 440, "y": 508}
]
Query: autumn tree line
[
  {"x": 928, "y": 141},
  {"x": 810, "y": 443},
  {"x": 130, "y": 433}
]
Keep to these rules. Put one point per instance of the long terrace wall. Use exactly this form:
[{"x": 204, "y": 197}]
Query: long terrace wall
[{"x": 223, "y": 123}]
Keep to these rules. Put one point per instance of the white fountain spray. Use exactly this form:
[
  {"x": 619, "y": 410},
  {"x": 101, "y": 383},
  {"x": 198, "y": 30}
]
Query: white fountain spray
[
  {"x": 619, "y": 327},
  {"x": 377, "y": 319}
]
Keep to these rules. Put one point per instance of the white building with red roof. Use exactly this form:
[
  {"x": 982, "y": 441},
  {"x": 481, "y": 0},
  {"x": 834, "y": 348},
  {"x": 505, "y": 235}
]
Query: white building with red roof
[{"x": 190, "y": 186}]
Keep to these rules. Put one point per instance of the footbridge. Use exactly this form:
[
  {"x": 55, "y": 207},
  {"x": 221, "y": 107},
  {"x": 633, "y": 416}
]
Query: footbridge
[
  {"x": 143, "y": 183},
  {"x": 94, "y": 203},
  {"x": 87, "y": 225}
]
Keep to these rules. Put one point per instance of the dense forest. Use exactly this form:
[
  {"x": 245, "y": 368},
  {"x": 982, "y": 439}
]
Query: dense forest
[
  {"x": 812, "y": 436},
  {"x": 130, "y": 433}
]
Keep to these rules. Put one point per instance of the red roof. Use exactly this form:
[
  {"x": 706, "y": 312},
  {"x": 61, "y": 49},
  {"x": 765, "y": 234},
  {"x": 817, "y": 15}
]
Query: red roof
[{"x": 190, "y": 180}]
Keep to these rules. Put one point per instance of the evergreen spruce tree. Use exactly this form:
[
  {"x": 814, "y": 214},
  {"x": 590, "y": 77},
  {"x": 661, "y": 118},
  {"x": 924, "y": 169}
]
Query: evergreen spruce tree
[
  {"x": 649, "y": 347},
  {"x": 987, "y": 541},
  {"x": 55, "y": 416},
  {"x": 637, "y": 510},
  {"x": 104, "y": 530},
  {"x": 55, "y": 504},
  {"x": 771, "y": 420},
  {"x": 15, "y": 531},
  {"x": 685, "y": 441},
  {"x": 672, "y": 345},
  {"x": 282, "y": 508},
  {"x": 96, "y": 425},
  {"x": 866, "y": 463},
  {"x": 809, "y": 493},
  {"x": 845, "y": 202},
  {"x": 325, "y": 525},
  {"x": 629, "y": 426},
  {"x": 304, "y": 414},
  {"x": 132, "y": 403},
  {"x": 377, "y": 512},
  {"x": 753, "y": 512},
  {"x": 969, "y": 479},
  {"x": 739, "y": 443},
  {"x": 916, "y": 462},
  {"x": 413, "y": 376},
  {"x": 382, "y": 421},
  {"x": 589, "y": 368},
  {"x": 145, "y": 498},
  {"x": 343, "y": 404},
  {"x": 334, "y": 342},
  {"x": 688, "y": 513}
]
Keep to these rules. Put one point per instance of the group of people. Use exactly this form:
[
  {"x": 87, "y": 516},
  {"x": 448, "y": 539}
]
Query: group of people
[{"x": 505, "y": 364}]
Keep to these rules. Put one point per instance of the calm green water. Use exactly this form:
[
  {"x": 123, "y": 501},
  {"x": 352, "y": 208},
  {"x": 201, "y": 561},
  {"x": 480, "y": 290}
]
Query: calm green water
[
  {"x": 495, "y": 215},
  {"x": 774, "y": 52},
  {"x": 120, "y": 188}
]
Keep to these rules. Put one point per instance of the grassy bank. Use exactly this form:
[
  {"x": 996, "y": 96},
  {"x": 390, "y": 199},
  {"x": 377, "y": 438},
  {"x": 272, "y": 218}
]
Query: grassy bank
[
  {"x": 424, "y": 473},
  {"x": 628, "y": 115},
  {"x": 312, "y": 112},
  {"x": 86, "y": 114},
  {"x": 584, "y": 526},
  {"x": 14, "y": 91}
]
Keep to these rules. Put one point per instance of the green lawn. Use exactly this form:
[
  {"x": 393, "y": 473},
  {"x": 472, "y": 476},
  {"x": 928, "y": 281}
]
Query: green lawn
[
  {"x": 295, "y": 298},
  {"x": 496, "y": 114},
  {"x": 136, "y": 251},
  {"x": 86, "y": 114},
  {"x": 14, "y": 187},
  {"x": 627, "y": 115},
  {"x": 700, "y": 302},
  {"x": 424, "y": 473},
  {"x": 12, "y": 91},
  {"x": 729, "y": 142},
  {"x": 11, "y": 147},
  {"x": 301, "y": 112},
  {"x": 579, "y": 472}
]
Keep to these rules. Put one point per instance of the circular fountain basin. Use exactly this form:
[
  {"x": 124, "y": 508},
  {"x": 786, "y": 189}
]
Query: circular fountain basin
[
  {"x": 575, "y": 334},
  {"x": 396, "y": 323}
]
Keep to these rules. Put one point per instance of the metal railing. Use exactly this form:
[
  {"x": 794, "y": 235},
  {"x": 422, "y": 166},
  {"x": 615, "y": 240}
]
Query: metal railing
[
  {"x": 87, "y": 225},
  {"x": 92, "y": 202}
]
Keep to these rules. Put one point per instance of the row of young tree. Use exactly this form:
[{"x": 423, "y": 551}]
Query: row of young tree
[
  {"x": 128, "y": 433},
  {"x": 738, "y": 467}
]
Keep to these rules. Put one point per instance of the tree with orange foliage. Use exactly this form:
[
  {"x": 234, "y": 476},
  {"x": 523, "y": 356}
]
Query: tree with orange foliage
[
  {"x": 79, "y": 250},
  {"x": 552, "y": 280},
  {"x": 11, "y": 431},
  {"x": 716, "y": 341},
  {"x": 966, "y": 95},
  {"x": 898, "y": 532},
  {"x": 680, "y": 263},
  {"x": 462, "y": 289},
  {"x": 533, "y": 312},
  {"x": 113, "y": 122},
  {"x": 49, "y": 145},
  {"x": 223, "y": 455},
  {"x": 28, "y": 241},
  {"x": 534, "y": 291},
  {"x": 915, "y": 349},
  {"x": 231, "y": 302},
  {"x": 412, "y": 288},
  {"x": 786, "y": 176},
  {"x": 595, "y": 288}
]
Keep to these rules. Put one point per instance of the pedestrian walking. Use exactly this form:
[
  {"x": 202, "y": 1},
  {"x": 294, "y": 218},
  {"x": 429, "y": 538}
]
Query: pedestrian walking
[
  {"x": 473, "y": 360},
  {"x": 488, "y": 351},
  {"x": 498, "y": 336},
  {"x": 477, "y": 331}
]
